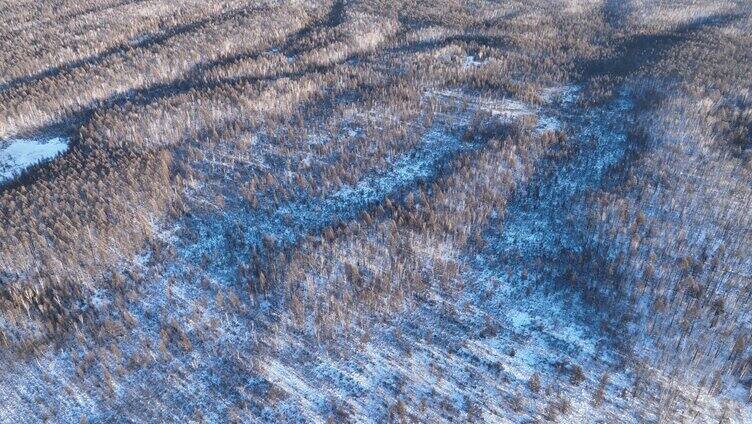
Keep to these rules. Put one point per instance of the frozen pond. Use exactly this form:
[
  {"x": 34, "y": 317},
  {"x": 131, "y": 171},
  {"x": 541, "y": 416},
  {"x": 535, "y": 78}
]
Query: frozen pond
[{"x": 18, "y": 154}]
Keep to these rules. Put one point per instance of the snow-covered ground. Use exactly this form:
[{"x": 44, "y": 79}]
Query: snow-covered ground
[
  {"x": 19, "y": 154},
  {"x": 467, "y": 353}
]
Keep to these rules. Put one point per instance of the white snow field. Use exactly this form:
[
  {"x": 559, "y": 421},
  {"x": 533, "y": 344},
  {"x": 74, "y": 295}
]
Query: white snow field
[{"x": 19, "y": 154}]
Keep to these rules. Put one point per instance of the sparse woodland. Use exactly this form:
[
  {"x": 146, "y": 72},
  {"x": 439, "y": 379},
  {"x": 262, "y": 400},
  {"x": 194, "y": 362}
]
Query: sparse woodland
[{"x": 376, "y": 211}]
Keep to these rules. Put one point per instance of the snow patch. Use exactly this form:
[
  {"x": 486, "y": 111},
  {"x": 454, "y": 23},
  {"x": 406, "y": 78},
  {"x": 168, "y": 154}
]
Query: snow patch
[
  {"x": 511, "y": 109},
  {"x": 18, "y": 154},
  {"x": 566, "y": 95},
  {"x": 548, "y": 124},
  {"x": 471, "y": 61}
]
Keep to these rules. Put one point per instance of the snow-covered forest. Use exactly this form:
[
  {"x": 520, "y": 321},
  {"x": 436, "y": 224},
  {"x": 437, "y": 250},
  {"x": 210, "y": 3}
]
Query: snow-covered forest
[{"x": 376, "y": 211}]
